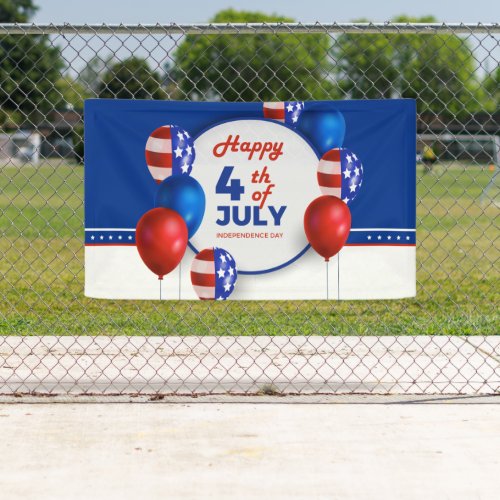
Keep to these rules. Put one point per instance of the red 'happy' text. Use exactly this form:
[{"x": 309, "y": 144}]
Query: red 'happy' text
[{"x": 258, "y": 149}]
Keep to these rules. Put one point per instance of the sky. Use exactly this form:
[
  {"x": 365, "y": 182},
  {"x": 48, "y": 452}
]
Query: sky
[
  {"x": 78, "y": 51},
  {"x": 199, "y": 11}
]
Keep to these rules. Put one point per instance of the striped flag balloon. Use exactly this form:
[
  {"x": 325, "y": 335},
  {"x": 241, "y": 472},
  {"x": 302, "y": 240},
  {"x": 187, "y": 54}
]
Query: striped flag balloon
[
  {"x": 340, "y": 174},
  {"x": 285, "y": 112},
  {"x": 169, "y": 151},
  {"x": 213, "y": 274}
]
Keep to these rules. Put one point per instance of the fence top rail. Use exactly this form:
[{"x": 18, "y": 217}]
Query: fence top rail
[{"x": 246, "y": 28}]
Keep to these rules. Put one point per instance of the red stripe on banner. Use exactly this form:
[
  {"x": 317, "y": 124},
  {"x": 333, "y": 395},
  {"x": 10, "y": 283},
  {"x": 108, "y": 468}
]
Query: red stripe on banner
[
  {"x": 332, "y": 155},
  {"x": 110, "y": 244},
  {"x": 207, "y": 254},
  {"x": 274, "y": 114},
  {"x": 159, "y": 159},
  {"x": 375, "y": 244},
  {"x": 162, "y": 133},
  {"x": 202, "y": 279},
  {"x": 329, "y": 180}
]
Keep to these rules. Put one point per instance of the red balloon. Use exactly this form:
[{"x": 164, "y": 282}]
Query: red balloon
[
  {"x": 327, "y": 223},
  {"x": 161, "y": 237}
]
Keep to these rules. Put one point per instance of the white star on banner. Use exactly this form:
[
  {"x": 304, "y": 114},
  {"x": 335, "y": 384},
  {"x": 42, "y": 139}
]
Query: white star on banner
[
  {"x": 92, "y": 237},
  {"x": 346, "y": 200},
  {"x": 223, "y": 258},
  {"x": 356, "y": 171},
  {"x": 289, "y": 108},
  {"x": 180, "y": 136},
  {"x": 120, "y": 237},
  {"x": 369, "y": 237},
  {"x": 347, "y": 173},
  {"x": 399, "y": 237},
  {"x": 353, "y": 187},
  {"x": 130, "y": 237},
  {"x": 227, "y": 287},
  {"x": 178, "y": 152},
  {"x": 187, "y": 135},
  {"x": 101, "y": 237},
  {"x": 348, "y": 158},
  {"x": 189, "y": 149},
  {"x": 407, "y": 237},
  {"x": 389, "y": 237},
  {"x": 231, "y": 271},
  {"x": 221, "y": 273},
  {"x": 379, "y": 237}
]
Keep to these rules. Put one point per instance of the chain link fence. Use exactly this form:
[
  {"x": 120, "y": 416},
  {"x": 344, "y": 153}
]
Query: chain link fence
[{"x": 56, "y": 341}]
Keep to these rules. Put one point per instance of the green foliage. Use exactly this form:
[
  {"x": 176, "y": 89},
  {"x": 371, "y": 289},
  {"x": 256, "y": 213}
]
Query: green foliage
[
  {"x": 91, "y": 76},
  {"x": 131, "y": 79},
  {"x": 491, "y": 89},
  {"x": 29, "y": 66},
  {"x": 16, "y": 11},
  {"x": 253, "y": 67},
  {"x": 71, "y": 94},
  {"x": 436, "y": 70}
]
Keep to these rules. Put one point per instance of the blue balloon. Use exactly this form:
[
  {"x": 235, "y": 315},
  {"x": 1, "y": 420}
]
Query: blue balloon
[
  {"x": 185, "y": 195},
  {"x": 324, "y": 126}
]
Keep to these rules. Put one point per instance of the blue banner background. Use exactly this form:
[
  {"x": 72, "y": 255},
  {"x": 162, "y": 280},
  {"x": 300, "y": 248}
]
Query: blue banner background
[{"x": 119, "y": 188}]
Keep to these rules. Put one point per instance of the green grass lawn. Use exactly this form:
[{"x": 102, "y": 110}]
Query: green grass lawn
[{"x": 41, "y": 289}]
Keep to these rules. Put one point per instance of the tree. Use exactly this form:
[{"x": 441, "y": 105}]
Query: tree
[
  {"x": 131, "y": 79},
  {"x": 29, "y": 66},
  {"x": 253, "y": 67},
  {"x": 365, "y": 66},
  {"x": 16, "y": 11},
  {"x": 71, "y": 93},
  {"x": 436, "y": 70},
  {"x": 91, "y": 76},
  {"x": 491, "y": 88}
]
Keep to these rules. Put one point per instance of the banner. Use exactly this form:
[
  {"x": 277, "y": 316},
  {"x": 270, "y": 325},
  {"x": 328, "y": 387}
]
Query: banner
[{"x": 290, "y": 200}]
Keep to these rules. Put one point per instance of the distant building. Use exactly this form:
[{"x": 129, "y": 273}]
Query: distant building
[
  {"x": 20, "y": 147},
  {"x": 57, "y": 132}
]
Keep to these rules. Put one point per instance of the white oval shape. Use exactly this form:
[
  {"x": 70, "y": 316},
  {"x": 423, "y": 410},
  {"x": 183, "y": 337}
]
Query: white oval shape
[{"x": 274, "y": 237}]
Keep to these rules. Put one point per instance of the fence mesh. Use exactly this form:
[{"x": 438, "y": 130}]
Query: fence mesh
[{"x": 55, "y": 340}]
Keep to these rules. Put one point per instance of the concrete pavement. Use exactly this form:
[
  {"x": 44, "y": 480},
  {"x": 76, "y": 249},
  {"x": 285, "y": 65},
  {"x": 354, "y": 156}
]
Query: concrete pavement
[{"x": 334, "y": 451}]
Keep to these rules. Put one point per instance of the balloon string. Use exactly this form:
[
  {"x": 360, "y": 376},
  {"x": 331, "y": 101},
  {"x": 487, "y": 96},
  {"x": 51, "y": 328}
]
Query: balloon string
[
  {"x": 338, "y": 276},
  {"x": 180, "y": 278},
  {"x": 327, "y": 291},
  {"x": 160, "y": 288}
]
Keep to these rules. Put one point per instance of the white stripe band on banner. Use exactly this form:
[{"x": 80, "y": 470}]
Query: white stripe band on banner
[
  {"x": 383, "y": 229},
  {"x": 131, "y": 229}
]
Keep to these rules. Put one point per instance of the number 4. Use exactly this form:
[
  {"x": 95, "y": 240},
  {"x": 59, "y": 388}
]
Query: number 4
[{"x": 226, "y": 185}]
